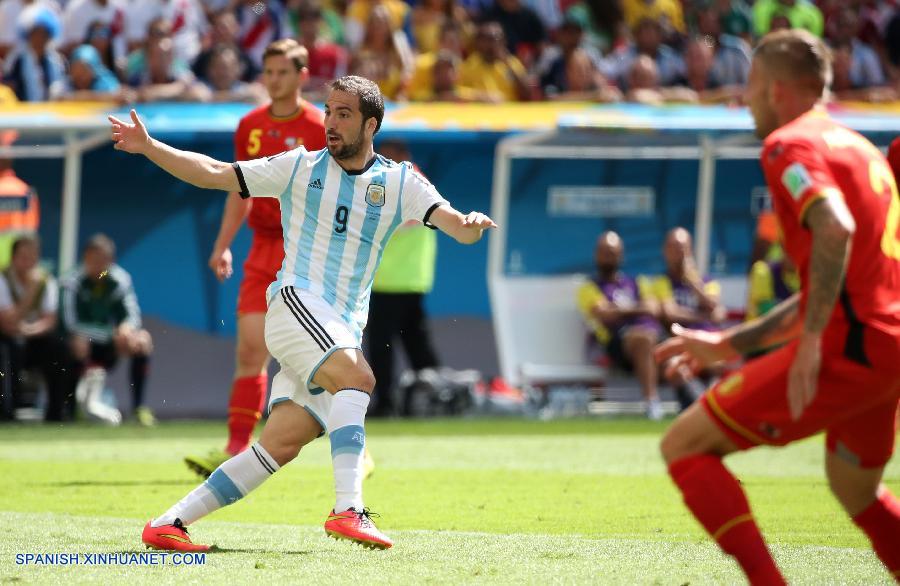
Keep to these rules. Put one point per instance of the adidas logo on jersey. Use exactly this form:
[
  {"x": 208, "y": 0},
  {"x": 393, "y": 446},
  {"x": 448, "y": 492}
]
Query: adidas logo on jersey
[{"x": 315, "y": 183}]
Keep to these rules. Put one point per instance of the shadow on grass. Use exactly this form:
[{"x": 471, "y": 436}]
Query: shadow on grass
[
  {"x": 217, "y": 549},
  {"x": 78, "y": 483},
  {"x": 212, "y": 549}
]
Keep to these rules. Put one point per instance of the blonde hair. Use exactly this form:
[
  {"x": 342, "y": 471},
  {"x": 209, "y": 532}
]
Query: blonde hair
[{"x": 796, "y": 55}]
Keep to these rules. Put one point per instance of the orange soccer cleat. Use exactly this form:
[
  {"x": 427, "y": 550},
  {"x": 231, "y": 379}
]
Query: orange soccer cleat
[
  {"x": 357, "y": 526},
  {"x": 170, "y": 538}
]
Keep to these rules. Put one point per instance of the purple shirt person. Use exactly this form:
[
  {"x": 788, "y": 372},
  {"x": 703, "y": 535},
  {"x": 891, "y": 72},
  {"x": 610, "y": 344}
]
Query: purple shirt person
[
  {"x": 622, "y": 315},
  {"x": 685, "y": 297}
]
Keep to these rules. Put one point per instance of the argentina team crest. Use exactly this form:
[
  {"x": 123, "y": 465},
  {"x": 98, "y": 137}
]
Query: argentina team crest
[{"x": 375, "y": 195}]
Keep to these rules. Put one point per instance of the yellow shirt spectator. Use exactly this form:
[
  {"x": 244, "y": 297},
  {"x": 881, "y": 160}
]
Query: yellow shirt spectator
[
  {"x": 420, "y": 84},
  {"x": 669, "y": 10},
  {"x": 493, "y": 79},
  {"x": 770, "y": 284},
  {"x": 7, "y": 96},
  {"x": 589, "y": 294},
  {"x": 358, "y": 15}
]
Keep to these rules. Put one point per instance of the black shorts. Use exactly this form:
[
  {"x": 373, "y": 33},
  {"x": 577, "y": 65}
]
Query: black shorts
[
  {"x": 104, "y": 354},
  {"x": 615, "y": 348}
]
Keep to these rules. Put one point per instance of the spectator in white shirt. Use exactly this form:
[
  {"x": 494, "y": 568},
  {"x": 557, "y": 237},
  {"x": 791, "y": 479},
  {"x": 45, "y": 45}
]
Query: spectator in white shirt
[
  {"x": 186, "y": 17},
  {"x": 80, "y": 15},
  {"x": 29, "y": 301}
]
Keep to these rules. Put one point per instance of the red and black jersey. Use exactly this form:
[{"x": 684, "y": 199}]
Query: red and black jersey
[{"x": 814, "y": 157}]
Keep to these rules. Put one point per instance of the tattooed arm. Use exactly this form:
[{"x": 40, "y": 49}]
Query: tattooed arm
[
  {"x": 780, "y": 324},
  {"x": 832, "y": 228}
]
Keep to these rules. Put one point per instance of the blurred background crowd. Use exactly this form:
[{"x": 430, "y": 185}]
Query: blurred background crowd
[{"x": 647, "y": 51}]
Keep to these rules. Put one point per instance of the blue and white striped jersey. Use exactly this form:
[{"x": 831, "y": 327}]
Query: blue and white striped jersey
[{"x": 335, "y": 223}]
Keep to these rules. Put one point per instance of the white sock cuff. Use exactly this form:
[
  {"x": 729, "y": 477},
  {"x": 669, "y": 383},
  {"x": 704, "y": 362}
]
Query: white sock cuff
[
  {"x": 265, "y": 459},
  {"x": 355, "y": 397}
]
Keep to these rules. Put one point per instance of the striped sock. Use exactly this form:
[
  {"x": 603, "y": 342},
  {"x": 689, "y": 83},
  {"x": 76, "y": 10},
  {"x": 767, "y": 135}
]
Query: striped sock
[
  {"x": 348, "y": 440},
  {"x": 227, "y": 484}
]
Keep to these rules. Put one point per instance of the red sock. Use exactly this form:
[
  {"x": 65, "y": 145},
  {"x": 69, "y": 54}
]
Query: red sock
[
  {"x": 716, "y": 499},
  {"x": 248, "y": 395},
  {"x": 881, "y": 522}
]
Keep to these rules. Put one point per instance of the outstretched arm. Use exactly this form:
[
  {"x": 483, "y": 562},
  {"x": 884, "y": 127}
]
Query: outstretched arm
[
  {"x": 466, "y": 229},
  {"x": 193, "y": 168}
]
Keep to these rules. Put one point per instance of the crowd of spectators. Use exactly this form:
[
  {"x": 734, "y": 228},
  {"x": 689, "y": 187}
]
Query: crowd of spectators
[{"x": 649, "y": 51}]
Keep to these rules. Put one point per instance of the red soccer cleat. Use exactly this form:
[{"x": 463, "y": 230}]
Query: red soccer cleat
[
  {"x": 357, "y": 526},
  {"x": 170, "y": 538}
]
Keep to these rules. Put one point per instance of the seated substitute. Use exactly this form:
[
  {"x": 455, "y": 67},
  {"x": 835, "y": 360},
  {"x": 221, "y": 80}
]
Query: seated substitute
[
  {"x": 29, "y": 300},
  {"x": 102, "y": 321},
  {"x": 686, "y": 298},
  {"x": 622, "y": 313}
]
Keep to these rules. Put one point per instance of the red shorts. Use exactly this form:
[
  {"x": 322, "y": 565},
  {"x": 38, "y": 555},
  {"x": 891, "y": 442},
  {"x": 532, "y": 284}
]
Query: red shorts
[
  {"x": 855, "y": 406},
  {"x": 262, "y": 264}
]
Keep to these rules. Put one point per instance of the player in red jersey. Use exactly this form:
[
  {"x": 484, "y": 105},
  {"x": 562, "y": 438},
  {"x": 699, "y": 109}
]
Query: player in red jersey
[
  {"x": 839, "y": 372},
  {"x": 285, "y": 123}
]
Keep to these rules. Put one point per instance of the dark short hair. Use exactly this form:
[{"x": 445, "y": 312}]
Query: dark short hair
[
  {"x": 288, "y": 48},
  {"x": 796, "y": 55},
  {"x": 102, "y": 243},
  {"x": 23, "y": 240},
  {"x": 371, "y": 102}
]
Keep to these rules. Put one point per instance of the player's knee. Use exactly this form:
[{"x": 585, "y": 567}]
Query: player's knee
[
  {"x": 251, "y": 357},
  {"x": 692, "y": 434},
  {"x": 283, "y": 451},
  {"x": 853, "y": 498},
  {"x": 671, "y": 446},
  {"x": 855, "y": 492},
  {"x": 145, "y": 347},
  {"x": 646, "y": 337},
  {"x": 362, "y": 379}
]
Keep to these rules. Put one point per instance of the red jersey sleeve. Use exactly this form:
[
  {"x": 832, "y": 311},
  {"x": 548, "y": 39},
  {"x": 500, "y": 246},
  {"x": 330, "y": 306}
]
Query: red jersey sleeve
[
  {"x": 797, "y": 175},
  {"x": 240, "y": 142},
  {"x": 893, "y": 157}
]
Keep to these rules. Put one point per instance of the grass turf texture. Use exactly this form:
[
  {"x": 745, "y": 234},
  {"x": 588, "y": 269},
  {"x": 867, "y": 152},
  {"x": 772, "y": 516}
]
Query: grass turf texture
[{"x": 465, "y": 501}]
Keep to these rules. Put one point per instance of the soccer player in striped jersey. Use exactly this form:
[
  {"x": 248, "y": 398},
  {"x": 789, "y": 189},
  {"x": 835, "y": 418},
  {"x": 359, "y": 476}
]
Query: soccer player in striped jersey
[
  {"x": 284, "y": 123},
  {"x": 339, "y": 207}
]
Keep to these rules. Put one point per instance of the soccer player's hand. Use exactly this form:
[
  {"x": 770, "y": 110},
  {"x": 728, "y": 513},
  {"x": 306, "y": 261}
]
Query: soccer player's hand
[
  {"x": 220, "y": 261},
  {"x": 804, "y": 374},
  {"x": 695, "y": 349},
  {"x": 478, "y": 220},
  {"x": 131, "y": 138}
]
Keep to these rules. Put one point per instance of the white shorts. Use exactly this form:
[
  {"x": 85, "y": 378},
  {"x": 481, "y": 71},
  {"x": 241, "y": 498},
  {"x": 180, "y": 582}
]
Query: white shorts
[{"x": 302, "y": 331}]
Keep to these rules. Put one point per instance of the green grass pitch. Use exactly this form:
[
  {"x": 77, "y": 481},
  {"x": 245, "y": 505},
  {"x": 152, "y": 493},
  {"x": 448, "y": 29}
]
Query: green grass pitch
[{"x": 482, "y": 501}]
